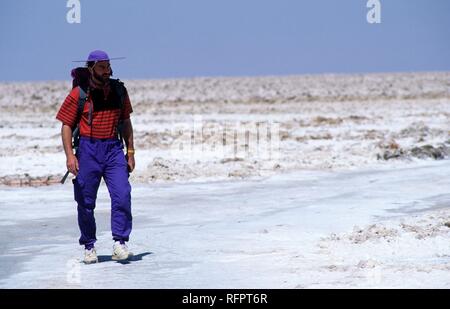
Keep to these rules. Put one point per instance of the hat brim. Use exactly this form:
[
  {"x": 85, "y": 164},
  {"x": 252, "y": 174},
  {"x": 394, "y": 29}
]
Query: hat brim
[{"x": 115, "y": 58}]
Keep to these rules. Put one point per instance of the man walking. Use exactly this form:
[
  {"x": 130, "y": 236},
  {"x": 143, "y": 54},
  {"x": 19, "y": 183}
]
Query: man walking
[{"x": 105, "y": 107}]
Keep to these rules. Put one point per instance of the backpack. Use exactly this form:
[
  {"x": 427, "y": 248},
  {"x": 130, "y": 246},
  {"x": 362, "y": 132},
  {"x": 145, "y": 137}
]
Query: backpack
[{"x": 81, "y": 77}]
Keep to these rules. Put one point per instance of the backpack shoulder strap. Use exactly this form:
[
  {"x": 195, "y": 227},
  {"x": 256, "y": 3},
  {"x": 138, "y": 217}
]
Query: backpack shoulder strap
[
  {"x": 120, "y": 90},
  {"x": 76, "y": 130},
  {"x": 81, "y": 101}
]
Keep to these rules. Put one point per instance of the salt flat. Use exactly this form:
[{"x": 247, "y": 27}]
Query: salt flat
[
  {"x": 366, "y": 228},
  {"x": 325, "y": 122},
  {"x": 259, "y": 182}
]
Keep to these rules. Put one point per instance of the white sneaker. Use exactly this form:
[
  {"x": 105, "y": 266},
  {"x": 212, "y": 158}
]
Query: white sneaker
[
  {"x": 120, "y": 252},
  {"x": 90, "y": 256}
]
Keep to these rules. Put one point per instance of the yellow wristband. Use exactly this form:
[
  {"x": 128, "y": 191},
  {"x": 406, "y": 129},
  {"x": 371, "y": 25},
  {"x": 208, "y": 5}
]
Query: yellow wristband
[{"x": 130, "y": 151}]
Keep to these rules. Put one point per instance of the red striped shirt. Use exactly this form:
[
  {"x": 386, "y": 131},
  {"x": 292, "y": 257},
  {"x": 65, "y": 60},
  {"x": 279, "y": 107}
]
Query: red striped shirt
[{"x": 105, "y": 116}]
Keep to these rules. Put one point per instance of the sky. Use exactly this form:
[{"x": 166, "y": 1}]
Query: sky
[{"x": 196, "y": 38}]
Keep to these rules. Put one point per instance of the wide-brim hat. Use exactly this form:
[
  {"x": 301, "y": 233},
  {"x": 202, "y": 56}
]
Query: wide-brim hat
[{"x": 98, "y": 55}]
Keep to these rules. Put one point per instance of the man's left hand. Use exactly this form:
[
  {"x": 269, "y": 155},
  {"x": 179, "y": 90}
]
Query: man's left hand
[{"x": 131, "y": 163}]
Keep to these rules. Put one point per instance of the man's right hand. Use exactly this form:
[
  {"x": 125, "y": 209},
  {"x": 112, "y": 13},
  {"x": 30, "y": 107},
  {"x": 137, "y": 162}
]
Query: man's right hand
[{"x": 72, "y": 164}]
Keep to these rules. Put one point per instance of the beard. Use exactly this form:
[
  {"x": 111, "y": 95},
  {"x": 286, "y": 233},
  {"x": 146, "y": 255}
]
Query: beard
[{"x": 101, "y": 78}]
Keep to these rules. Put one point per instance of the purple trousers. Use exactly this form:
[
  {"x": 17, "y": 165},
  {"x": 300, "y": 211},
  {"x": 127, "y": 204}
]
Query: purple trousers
[{"x": 99, "y": 158}]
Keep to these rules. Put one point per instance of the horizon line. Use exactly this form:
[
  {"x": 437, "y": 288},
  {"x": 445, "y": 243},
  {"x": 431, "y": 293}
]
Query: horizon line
[{"x": 242, "y": 76}]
